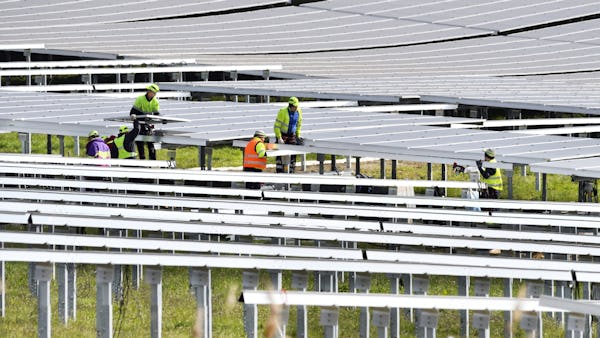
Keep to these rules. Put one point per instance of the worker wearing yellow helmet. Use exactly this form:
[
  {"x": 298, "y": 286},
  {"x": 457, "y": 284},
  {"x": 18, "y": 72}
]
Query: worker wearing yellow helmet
[
  {"x": 146, "y": 104},
  {"x": 287, "y": 127},
  {"x": 123, "y": 145},
  {"x": 491, "y": 176},
  {"x": 96, "y": 147}
]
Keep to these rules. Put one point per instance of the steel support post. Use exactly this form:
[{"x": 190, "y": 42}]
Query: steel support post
[
  {"x": 62, "y": 281},
  {"x": 104, "y": 323},
  {"x": 136, "y": 270},
  {"x": 117, "y": 284},
  {"x": 464, "y": 283},
  {"x": 202, "y": 157},
  {"x": 429, "y": 171},
  {"x": 508, "y": 317},
  {"x": 362, "y": 283},
  {"x": 250, "y": 282},
  {"x": 382, "y": 168},
  {"x": 153, "y": 276},
  {"x": 381, "y": 320},
  {"x": 328, "y": 283},
  {"x": 276, "y": 278},
  {"x": 587, "y": 295},
  {"x": 333, "y": 164},
  {"x": 529, "y": 323},
  {"x": 596, "y": 296},
  {"x": 394, "y": 169},
  {"x": 43, "y": 275},
  {"x": 329, "y": 320},
  {"x": 209, "y": 153},
  {"x": 33, "y": 283},
  {"x": 76, "y": 146},
  {"x": 576, "y": 326},
  {"x": 445, "y": 177},
  {"x": 562, "y": 291},
  {"x": 426, "y": 321},
  {"x": 25, "y": 139},
  {"x": 61, "y": 145},
  {"x": 48, "y": 144},
  {"x": 3, "y": 288},
  {"x": 200, "y": 280},
  {"x": 300, "y": 282},
  {"x": 544, "y": 187},
  {"x": 509, "y": 184},
  {"x": 534, "y": 289},
  {"x": 72, "y": 290},
  {"x": 407, "y": 282},
  {"x": 394, "y": 312},
  {"x": 481, "y": 319}
]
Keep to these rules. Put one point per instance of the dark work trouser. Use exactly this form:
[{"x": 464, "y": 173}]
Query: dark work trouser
[
  {"x": 489, "y": 193},
  {"x": 146, "y": 130},
  {"x": 253, "y": 185},
  {"x": 279, "y": 166}
]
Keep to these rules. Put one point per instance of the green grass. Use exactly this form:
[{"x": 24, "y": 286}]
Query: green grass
[{"x": 132, "y": 317}]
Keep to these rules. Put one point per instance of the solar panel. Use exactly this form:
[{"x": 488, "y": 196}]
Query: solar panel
[
  {"x": 585, "y": 167},
  {"x": 503, "y": 92},
  {"x": 488, "y": 14},
  {"x": 82, "y": 13},
  {"x": 343, "y": 132}
]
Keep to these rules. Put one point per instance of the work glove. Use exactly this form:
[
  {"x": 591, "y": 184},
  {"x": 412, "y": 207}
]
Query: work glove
[
  {"x": 299, "y": 141},
  {"x": 479, "y": 163},
  {"x": 280, "y": 140}
]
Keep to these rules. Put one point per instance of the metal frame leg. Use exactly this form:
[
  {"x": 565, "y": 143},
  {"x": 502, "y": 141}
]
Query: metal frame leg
[
  {"x": 104, "y": 319},
  {"x": 43, "y": 275},
  {"x": 250, "y": 282},
  {"x": 200, "y": 280},
  {"x": 153, "y": 276}
]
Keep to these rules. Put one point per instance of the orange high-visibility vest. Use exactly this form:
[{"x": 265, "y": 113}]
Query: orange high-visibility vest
[{"x": 251, "y": 157}]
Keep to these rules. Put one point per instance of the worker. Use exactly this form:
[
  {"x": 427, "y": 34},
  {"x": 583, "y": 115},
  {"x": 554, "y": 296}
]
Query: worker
[
  {"x": 255, "y": 156},
  {"x": 96, "y": 147},
  {"x": 122, "y": 146},
  {"x": 288, "y": 125},
  {"x": 146, "y": 104},
  {"x": 491, "y": 176}
]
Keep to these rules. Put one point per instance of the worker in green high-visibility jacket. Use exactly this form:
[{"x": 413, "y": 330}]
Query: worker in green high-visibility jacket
[
  {"x": 492, "y": 177},
  {"x": 146, "y": 104}
]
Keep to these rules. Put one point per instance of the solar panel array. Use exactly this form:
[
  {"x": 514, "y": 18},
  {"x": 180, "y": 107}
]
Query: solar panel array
[
  {"x": 493, "y": 15},
  {"x": 210, "y": 121},
  {"x": 338, "y": 129},
  {"x": 515, "y": 93},
  {"x": 437, "y": 51},
  {"x": 59, "y": 14}
]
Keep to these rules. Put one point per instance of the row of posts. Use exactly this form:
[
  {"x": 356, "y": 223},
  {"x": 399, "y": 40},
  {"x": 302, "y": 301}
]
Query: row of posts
[
  {"x": 387, "y": 321},
  {"x": 200, "y": 280}
]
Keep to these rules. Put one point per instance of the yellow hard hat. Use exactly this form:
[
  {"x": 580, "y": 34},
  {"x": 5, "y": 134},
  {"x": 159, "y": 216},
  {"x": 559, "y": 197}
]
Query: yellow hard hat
[
  {"x": 153, "y": 88},
  {"x": 490, "y": 153},
  {"x": 93, "y": 133},
  {"x": 123, "y": 129},
  {"x": 260, "y": 133},
  {"x": 294, "y": 101}
]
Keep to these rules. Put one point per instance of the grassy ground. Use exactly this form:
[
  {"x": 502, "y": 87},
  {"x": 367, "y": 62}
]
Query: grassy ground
[{"x": 131, "y": 317}]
